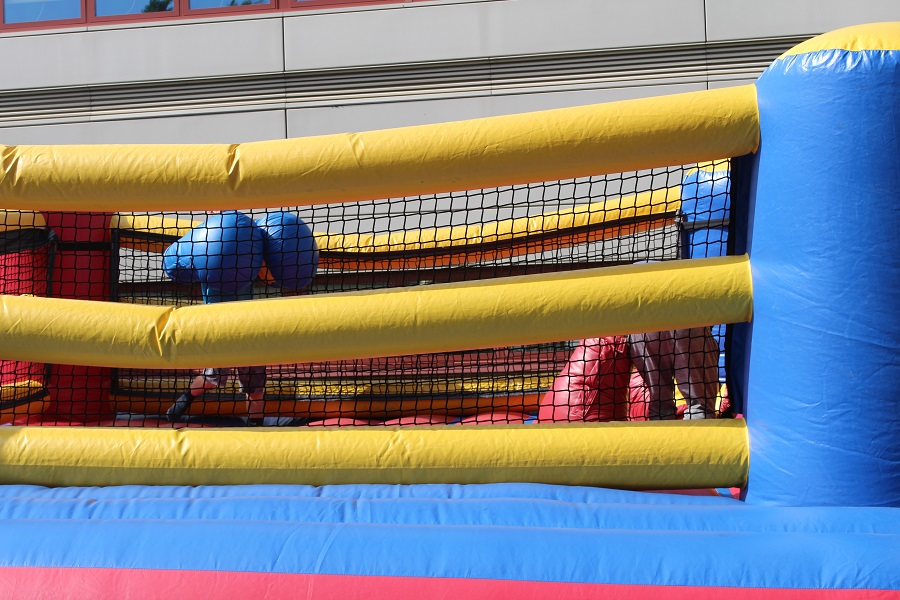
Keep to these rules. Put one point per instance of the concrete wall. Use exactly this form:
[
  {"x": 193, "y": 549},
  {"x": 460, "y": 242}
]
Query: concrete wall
[{"x": 291, "y": 74}]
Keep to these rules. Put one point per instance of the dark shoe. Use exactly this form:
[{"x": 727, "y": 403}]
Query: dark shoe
[{"x": 177, "y": 410}]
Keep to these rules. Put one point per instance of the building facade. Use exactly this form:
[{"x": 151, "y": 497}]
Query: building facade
[{"x": 201, "y": 73}]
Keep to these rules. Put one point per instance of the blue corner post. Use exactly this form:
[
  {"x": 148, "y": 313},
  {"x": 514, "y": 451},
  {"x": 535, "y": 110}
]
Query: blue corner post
[{"x": 823, "y": 373}]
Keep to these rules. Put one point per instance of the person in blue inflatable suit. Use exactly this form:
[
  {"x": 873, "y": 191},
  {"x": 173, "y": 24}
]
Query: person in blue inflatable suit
[{"x": 225, "y": 254}]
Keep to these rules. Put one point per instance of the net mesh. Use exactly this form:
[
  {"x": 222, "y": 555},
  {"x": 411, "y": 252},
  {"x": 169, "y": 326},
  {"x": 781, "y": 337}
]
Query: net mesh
[{"x": 662, "y": 214}]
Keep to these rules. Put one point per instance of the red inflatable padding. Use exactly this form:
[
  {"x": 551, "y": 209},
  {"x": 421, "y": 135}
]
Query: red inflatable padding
[
  {"x": 23, "y": 273},
  {"x": 496, "y": 417},
  {"x": 145, "y": 584},
  {"x": 420, "y": 420},
  {"x": 337, "y": 422},
  {"x": 80, "y": 393},
  {"x": 593, "y": 386},
  {"x": 45, "y": 421}
]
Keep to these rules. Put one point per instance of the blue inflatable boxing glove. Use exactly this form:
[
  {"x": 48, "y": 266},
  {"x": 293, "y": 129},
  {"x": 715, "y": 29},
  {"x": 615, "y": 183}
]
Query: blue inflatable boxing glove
[
  {"x": 225, "y": 253},
  {"x": 290, "y": 250},
  {"x": 178, "y": 262}
]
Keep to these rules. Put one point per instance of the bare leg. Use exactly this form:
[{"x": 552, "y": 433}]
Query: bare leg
[
  {"x": 255, "y": 406},
  {"x": 652, "y": 355},
  {"x": 253, "y": 384}
]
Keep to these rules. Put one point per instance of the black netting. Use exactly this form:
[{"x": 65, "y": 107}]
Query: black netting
[
  {"x": 26, "y": 259},
  {"x": 663, "y": 214}
]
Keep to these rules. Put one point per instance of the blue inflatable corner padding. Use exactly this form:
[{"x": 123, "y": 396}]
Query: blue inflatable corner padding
[
  {"x": 224, "y": 253},
  {"x": 290, "y": 250},
  {"x": 705, "y": 197},
  {"x": 822, "y": 408}
]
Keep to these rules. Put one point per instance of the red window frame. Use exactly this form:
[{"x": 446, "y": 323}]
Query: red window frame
[{"x": 29, "y": 25}]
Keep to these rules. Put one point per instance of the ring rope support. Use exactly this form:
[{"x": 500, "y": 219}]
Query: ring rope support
[
  {"x": 427, "y": 159},
  {"x": 511, "y": 311},
  {"x": 650, "y": 455}
]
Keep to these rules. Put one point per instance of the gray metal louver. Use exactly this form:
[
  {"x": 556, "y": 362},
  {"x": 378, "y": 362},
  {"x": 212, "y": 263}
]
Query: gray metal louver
[{"x": 494, "y": 75}]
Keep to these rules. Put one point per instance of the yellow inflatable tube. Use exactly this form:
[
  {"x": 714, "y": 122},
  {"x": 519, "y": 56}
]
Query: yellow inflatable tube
[
  {"x": 652, "y": 455},
  {"x": 481, "y": 153},
  {"x": 11, "y": 220},
  {"x": 460, "y": 316}
]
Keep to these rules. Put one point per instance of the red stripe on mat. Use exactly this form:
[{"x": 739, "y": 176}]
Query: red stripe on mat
[{"x": 139, "y": 584}]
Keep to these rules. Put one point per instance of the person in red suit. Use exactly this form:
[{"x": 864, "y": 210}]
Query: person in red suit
[{"x": 599, "y": 384}]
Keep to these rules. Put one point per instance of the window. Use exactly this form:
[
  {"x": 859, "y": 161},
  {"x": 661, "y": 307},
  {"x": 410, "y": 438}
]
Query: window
[
  {"x": 206, "y": 4},
  {"x": 34, "y": 14},
  {"x": 34, "y": 11},
  {"x": 108, "y": 8}
]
